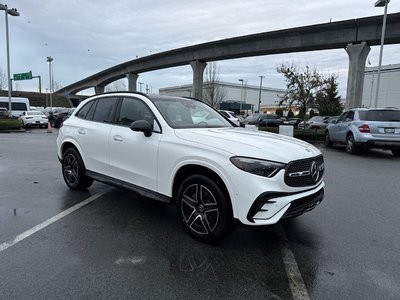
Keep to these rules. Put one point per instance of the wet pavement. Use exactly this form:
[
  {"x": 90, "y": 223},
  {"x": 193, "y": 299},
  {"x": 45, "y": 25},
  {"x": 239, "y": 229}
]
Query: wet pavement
[{"x": 123, "y": 246}]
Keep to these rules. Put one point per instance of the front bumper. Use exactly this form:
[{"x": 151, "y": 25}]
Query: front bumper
[
  {"x": 257, "y": 200},
  {"x": 266, "y": 208}
]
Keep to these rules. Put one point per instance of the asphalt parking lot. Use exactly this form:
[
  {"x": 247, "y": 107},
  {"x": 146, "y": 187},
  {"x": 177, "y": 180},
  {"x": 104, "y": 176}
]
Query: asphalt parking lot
[{"x": 109, "y": 243}]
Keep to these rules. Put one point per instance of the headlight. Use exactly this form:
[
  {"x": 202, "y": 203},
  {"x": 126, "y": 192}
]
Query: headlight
[{"x": 259, "y": 167}]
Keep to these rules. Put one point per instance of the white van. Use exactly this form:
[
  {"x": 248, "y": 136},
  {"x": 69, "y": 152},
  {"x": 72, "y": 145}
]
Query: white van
[{"x": 18, "y": 105}]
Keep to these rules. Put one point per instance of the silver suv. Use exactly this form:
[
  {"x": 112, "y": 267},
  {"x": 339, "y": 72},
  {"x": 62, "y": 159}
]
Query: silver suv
[{"x": 362, "y": 128}]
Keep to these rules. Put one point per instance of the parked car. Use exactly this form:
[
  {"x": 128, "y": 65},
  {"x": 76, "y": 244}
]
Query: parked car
[
  {"x": 3, "y": 112},
  {"x": 362, "y": 128},
  {"x": 33, "y": 118},
  {"x": 231, "y": 116},
  {"x": 293, "y": 121},
  {"x": 150, "y": 144},
  {"x": 205, "y": 119},
  {"x": 272, "y": 120},
  {"x": 316, "y": 122}
]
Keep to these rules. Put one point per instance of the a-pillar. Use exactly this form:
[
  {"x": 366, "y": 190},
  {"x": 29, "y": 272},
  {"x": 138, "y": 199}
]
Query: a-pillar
[
  {"x": 355, "y": 82},
  {"x": 99, "y": 89},
  {"x": 132, "y": 81},
  {"x": 198, "y": 70}
]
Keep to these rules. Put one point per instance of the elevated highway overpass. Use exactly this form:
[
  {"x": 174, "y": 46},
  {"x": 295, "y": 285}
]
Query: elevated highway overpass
[{"x": 355, "y": 36}]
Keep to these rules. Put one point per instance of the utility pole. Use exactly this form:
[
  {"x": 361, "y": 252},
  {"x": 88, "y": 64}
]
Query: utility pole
[{"x": 259, "y": 95}]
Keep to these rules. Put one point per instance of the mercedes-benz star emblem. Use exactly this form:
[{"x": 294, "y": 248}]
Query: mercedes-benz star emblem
[{"x": 314, "y": 171}]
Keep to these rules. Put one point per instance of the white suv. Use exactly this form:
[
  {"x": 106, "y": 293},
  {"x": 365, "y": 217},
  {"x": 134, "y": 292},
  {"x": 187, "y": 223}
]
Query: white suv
[{"x": 214, "y": 173}]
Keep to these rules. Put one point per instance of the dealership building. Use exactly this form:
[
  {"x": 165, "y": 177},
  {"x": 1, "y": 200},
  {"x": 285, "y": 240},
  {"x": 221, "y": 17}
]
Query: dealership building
[
  {"x": 389, "y": 86},
  {"x": 237, "y": 96}
]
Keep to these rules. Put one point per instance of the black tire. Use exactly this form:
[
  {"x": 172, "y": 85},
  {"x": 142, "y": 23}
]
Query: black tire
[
  {"x": 396, "y": 152},
  {"x": 73, "y": 171},
  {"x": 204, "y": 209},
  {"x": 351, "y": 145},
  {"x": 327, "y": 140}
]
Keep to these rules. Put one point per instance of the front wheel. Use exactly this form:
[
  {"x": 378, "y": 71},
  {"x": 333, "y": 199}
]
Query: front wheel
[
  {"x": 351, "y": 145},
  {"x": 204, "y": 209},
  {"x": 73, "y": 171}
]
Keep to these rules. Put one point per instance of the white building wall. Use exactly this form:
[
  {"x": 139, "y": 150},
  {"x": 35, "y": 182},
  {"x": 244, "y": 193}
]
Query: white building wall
[
  {"x": 269, "y": 96},
  {"x": 389, "y": 86}
]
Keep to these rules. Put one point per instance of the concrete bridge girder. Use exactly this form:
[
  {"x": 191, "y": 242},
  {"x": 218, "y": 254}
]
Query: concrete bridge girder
[
  {"x": 198, "y": 71},
  {"x": 132, "y": 81},
  {"x": 358, "y": 54}
]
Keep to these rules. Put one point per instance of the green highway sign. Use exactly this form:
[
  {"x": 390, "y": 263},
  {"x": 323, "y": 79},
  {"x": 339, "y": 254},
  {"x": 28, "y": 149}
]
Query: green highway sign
[{"x": 23, "y": 76}]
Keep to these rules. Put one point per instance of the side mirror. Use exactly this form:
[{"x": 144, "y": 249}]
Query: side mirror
[{"x": 142, "y": 126}]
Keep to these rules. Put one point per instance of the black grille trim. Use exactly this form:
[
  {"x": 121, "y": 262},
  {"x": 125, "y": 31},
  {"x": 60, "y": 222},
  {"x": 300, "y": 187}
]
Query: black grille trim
[
  {"x": 303, "y": 166},
  {"x": 302, "y": 205}
]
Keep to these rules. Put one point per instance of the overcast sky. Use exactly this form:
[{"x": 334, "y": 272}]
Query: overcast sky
[{"x": 85, "y": 37}]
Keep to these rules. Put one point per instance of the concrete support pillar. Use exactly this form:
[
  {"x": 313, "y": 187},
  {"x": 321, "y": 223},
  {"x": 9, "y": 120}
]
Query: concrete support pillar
[
  {"x": 99, "y": 89},
  {"x": 198, "y": 70},
  {"x": 357, "y": 57},
  {"x": 132, "y": 81}
]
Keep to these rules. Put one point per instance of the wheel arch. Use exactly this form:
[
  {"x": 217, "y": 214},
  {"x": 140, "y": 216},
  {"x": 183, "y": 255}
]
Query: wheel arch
[
  {"x": 193, "y": 169},
  {"x": 70, "y": 144}
]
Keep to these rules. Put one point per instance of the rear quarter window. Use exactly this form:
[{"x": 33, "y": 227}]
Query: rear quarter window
[
  {"x": 83, "y": 112},
  {"x": 380, "y": 115}
]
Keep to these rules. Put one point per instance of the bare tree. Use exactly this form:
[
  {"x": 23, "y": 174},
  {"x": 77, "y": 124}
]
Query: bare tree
[
  {"x": 3, "y": 80},
  {"x": 57, "y": 86},
  {"x": 302, "y": 87},
  {"x": 118, "y": 85},
  {"x": 213, "y": 92}
]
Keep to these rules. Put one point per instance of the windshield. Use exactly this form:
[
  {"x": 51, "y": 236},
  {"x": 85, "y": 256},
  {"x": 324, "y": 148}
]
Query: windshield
[
  {"x": 253, "y": 117},
  {"x": 317, "y": 119},
  {"x": 189, "y": 113},
  {"x": 380, "y": 115},
  {"x": 34, "y": 113}
]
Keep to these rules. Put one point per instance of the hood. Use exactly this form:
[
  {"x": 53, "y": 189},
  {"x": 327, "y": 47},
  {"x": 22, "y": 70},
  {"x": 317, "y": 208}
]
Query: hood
[{"x": 257, "y": 144}]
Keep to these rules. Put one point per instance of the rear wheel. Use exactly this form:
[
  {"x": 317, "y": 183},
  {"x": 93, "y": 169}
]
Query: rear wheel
[
  {"x": 351, "y": 145},
  {"x": 204, "y": 209},
  {"x": 73, "y": 171},
  {"x": 396, "y": 152}
]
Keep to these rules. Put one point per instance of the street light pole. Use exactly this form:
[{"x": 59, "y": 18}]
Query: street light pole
[
  {"x": 15, "y": 13},
  {"x": 241, "y": 91},
  {"x": 49, "y": 60},
  {"x": 381, "y": 3},
  {"x": 259, "y": 95}
]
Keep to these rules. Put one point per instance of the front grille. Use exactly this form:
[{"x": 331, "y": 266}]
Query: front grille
[{"x": 304, "y": 172}]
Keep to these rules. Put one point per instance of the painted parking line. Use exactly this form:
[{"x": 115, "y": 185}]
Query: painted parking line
[
  {"x": 296, "y": 283},
  {"x": 48, "y": 222}
]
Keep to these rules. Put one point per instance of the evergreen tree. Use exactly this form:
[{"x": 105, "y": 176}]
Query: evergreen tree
[{"x": 328, "y": 100}]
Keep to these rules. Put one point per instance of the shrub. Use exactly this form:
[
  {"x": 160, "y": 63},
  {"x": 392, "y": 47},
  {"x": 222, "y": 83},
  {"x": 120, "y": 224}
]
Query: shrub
[
  {"x": 307, "y": 135},
  {"x": 9, "y": 124}
]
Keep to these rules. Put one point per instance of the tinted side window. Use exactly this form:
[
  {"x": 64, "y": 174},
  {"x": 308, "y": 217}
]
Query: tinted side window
[
  {"x": 104, "y": 110},
  {"x": 350, "y": 116},
  {"x": 82, "y": 113},
  {"x": 133, "y": 110},
  {"x": 343, "y": 116}
]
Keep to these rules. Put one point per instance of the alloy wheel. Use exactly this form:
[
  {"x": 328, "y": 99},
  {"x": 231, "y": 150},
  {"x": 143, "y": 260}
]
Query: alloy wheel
[
  {"x": 71, "y": 169},
  {"x": 199, "y": 209}
]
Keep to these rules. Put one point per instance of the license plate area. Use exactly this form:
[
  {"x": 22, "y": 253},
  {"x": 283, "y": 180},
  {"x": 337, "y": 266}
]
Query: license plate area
[{"x": 389, "y": 130}]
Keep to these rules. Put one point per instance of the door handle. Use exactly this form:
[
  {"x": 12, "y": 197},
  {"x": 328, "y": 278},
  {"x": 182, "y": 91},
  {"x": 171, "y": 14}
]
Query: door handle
[
  {"x": 81, "y": 131},
  {"x": 118, "y": 138}
]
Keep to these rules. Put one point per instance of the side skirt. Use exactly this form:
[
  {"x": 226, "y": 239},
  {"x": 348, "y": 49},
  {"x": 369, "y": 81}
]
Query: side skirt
[{"x": 128, "y": 186}]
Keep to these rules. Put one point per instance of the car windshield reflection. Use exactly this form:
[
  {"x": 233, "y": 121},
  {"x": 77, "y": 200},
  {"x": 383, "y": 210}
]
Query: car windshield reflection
[{"x": 189, "y": 113}]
